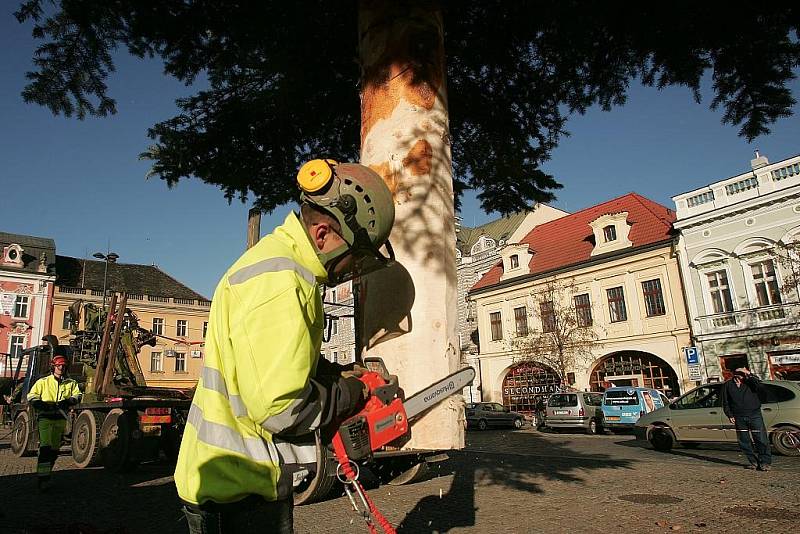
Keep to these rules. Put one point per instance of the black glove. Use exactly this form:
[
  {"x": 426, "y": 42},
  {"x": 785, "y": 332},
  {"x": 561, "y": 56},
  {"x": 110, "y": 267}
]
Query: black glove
[
  {"x": 39, "y": 404},
  {"x": 357, "y": 393},
  {"x": 64, "y": 404}
]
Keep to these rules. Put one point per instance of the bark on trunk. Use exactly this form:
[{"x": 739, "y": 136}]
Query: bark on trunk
[{"x": 409, "y": 312}]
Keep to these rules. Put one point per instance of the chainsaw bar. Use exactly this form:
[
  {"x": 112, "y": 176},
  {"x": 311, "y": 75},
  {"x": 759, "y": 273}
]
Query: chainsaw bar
[{"x": 438, "y": 391}]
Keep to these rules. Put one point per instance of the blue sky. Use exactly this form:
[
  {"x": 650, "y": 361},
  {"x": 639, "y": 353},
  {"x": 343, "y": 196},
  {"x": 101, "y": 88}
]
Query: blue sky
[{"x": 81, "y": 184}]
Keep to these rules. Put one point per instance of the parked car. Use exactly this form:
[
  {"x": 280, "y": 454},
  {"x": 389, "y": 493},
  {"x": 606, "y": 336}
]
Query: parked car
[
  {"x": 697, "y": 417},
  {"x": 623, "y": 406},
  {"x": 577, "y": 410},
  {"x": 483, "y": 415}
]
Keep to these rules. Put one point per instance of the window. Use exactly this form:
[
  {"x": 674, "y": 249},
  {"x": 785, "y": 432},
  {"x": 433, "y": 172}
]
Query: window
[
  {"x": 333, "y": 295},
  {"x": 702, "y": 397},
  {"x": 653, "y": 298},
  {"x": 720, "y": 292},
  {"x": 616, "y": 304},
  {"x": 66, "y": 324},
  {"x": 548, "y": 316},
  {"x": 521, "y": 320},
  {"x": 620, "y": 397},
  {"x": 563, "y": 400},
  {"x": 158, "y": 326},
  {"x": 21, "y": 306},
  {"x": 156, "y": 363},
  {"x": 496, "y": 325},
  {"x": 593, "y": 399},
  {"x": 775, "y": 393},
  {"x": 181, "y": 327},
  {"x": 180, "y": 362},
  {"x": 767, "y": 290},
  {"x": 610, "y": 233},
  {"x": 205, "y": 329},
  {"x": 335, "y": 357},
  {"x": 334, "y": 325},
  {"x": 16, "y": 346},
  {"x": 583, "y": 309},
  {"x": 514, "y": 261}
]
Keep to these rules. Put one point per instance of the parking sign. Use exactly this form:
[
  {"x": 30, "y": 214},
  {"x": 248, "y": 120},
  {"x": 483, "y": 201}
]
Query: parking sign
[{"x": 692, "y": 355}]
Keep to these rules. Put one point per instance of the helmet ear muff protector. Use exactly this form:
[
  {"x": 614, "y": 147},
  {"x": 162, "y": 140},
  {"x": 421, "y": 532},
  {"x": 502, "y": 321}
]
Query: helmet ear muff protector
[{"x": 359, "y": 200}]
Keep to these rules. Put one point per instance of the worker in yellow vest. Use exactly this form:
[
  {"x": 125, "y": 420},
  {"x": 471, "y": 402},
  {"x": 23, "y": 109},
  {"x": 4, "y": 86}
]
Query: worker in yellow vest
[
  {"x": 52, "y": 397},
  {"x": 264, "y": 390}
]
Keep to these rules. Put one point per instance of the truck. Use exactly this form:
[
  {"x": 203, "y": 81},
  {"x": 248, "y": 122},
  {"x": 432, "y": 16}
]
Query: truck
[{"x": 120, "y": 421}]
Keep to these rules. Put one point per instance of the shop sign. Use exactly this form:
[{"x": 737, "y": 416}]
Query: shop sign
[
  {"x": 785, "y": 359},
  {"x": 531, "y": 390}
]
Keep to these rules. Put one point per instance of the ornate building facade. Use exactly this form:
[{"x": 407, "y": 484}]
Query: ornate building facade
[
  {"x": 27, "y": 274},
  {"x": 739, "y": 240}
]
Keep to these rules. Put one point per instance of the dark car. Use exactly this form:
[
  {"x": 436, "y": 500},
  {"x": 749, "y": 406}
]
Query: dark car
[{"x": 491, "y": 414}]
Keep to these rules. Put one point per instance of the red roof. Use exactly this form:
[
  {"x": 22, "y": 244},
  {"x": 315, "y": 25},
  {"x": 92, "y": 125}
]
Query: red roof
[{"x": 569, "y": 240}]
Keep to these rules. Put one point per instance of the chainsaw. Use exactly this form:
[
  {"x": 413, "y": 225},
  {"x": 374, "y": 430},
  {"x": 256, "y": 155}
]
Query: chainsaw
[
  {"x": 384, "y": 420},
  {"x": 386, "y": 416}
]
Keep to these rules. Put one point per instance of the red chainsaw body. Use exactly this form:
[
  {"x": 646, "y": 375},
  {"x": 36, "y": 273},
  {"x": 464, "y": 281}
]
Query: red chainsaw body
[{"x": 382, "y": 420}]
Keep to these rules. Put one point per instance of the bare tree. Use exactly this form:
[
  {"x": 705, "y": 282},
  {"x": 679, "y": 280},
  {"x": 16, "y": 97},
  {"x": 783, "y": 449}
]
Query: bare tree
[{"x": 564, "y": 333}]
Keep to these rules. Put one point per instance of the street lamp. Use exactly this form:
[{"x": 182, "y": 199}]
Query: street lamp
[{"x": 111, "y": 257}]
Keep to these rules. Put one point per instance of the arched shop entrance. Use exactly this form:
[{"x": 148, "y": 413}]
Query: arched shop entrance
[
  {"x": 527, "y": 383},
  {"x": 634, "y": 368}
]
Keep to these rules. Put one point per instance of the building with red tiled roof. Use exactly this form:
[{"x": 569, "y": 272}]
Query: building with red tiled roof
[
  {"x": 570, "y": 241},
  {"x": 608, "y": 270}
]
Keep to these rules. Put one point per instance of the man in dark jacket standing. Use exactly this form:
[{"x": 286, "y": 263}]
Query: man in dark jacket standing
[{"x": 741, "y": 401}]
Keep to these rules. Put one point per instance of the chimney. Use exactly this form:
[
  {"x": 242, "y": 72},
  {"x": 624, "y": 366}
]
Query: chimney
[{"x": 759, "y": 161}]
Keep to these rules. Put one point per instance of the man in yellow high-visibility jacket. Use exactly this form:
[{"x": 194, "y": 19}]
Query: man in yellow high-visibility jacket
[
  {"x": 52, "y": 396},
  {"x": 263, "y": 390}
]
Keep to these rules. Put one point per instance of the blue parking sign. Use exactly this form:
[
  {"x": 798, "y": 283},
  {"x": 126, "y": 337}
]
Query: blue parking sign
[{"x": 692, "y": 355}]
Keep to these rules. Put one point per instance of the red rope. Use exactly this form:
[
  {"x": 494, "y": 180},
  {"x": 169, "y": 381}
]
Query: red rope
[{"x": 344, "y": 461}]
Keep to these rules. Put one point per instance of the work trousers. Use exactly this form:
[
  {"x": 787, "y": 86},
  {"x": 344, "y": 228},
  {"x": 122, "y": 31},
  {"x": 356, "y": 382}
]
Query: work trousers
[
  {"x": 50, "y": 433},
  {"x": 753, "y": 425},
  {"x": 253, "y": 514}
]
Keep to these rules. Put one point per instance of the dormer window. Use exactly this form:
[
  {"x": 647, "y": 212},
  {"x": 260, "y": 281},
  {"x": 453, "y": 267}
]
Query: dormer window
[
  {"x": 611, "y": 232},
  {"x": 516, "y": 259},
  {"x": 12, "y": 255}
]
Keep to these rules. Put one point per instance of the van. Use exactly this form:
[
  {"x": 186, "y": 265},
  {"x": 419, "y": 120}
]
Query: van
[
  {"x": 578, "y": 410},
  {"x": 623, "y": 406}
]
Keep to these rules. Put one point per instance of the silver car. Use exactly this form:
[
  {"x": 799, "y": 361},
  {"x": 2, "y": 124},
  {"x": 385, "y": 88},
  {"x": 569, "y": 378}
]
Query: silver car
[
  {"x": 578, "y": 410},
  {"x": 697, "y": 417}
]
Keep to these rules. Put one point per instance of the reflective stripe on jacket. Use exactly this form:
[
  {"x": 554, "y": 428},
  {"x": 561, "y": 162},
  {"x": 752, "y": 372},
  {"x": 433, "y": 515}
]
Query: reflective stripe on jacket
[
  {"x": 250, "y": 426},
  {"x": 49, "y": 389}
]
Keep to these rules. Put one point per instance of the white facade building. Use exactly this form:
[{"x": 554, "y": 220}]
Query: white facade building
[{"x": 739, "y": 264}]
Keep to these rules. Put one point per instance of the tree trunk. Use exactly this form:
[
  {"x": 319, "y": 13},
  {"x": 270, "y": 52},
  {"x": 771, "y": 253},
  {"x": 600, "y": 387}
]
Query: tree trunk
[{"x": 408, "y": 312}]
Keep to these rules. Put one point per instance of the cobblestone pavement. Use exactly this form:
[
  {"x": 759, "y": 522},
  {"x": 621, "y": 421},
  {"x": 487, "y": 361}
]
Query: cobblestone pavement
[{"x": 505, "y": 481}]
